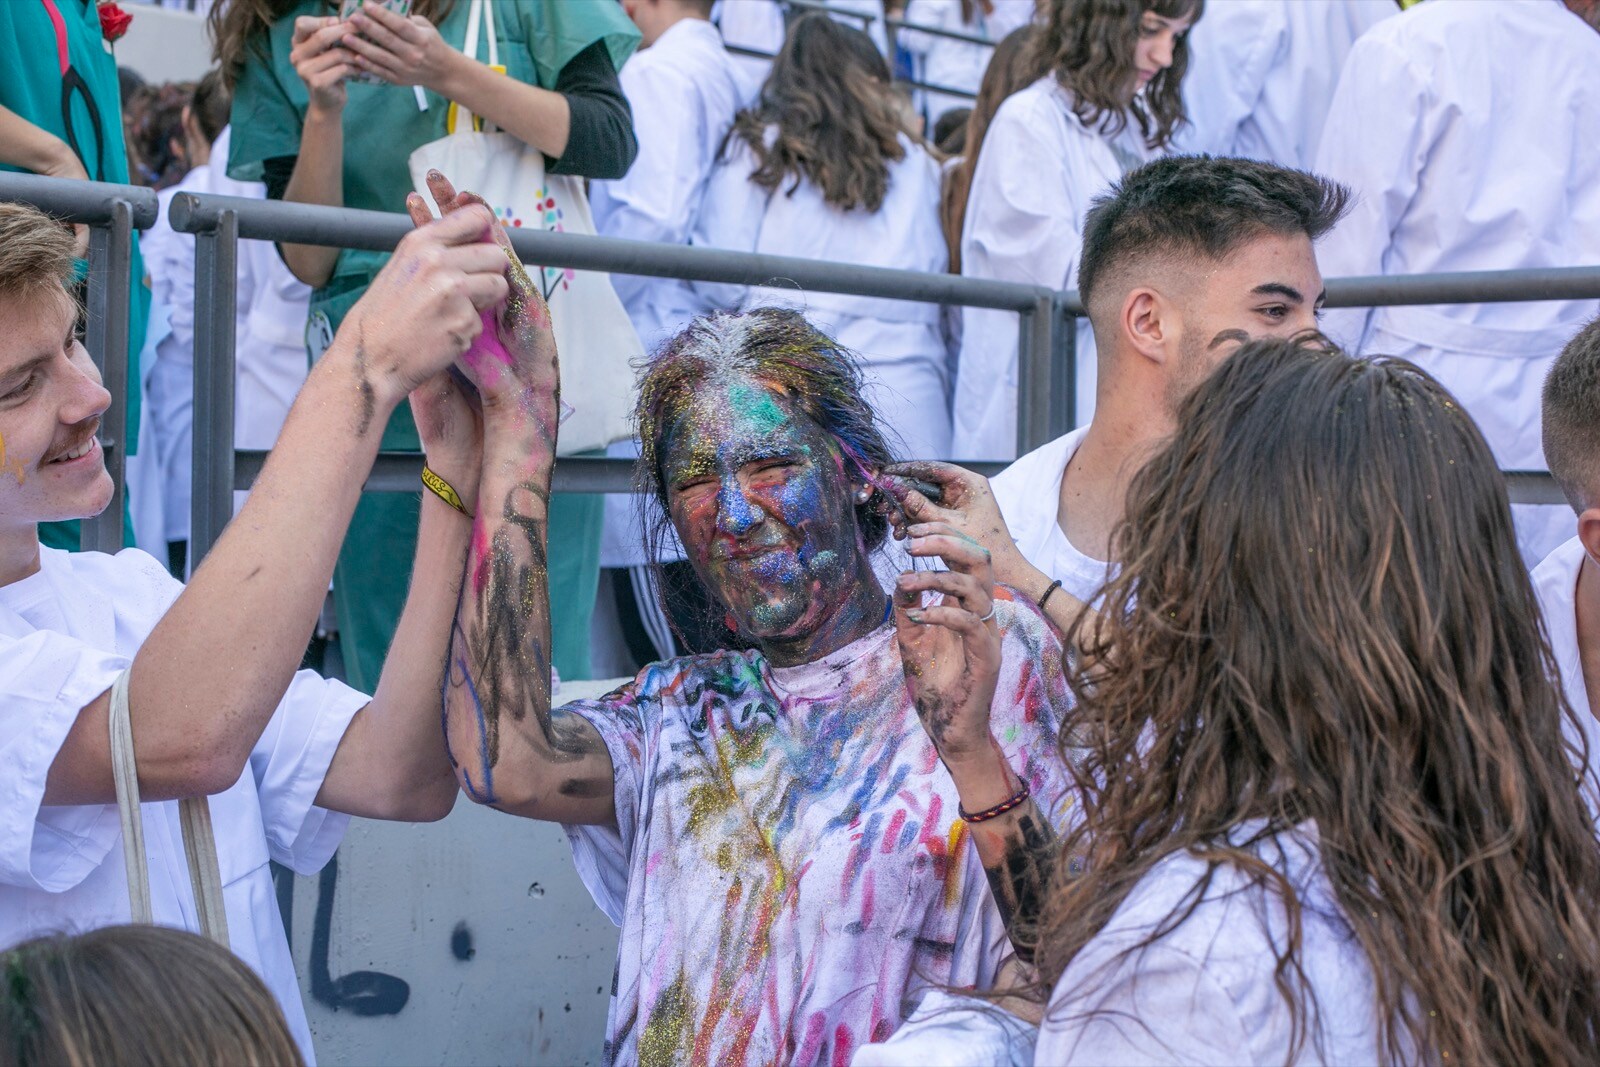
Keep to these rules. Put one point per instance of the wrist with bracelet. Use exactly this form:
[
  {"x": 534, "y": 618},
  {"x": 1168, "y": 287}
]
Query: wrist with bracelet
[{"x": 443, "y": 490}]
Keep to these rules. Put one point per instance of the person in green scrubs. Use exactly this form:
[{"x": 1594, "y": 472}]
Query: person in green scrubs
[
  {"x": 61, "y": 115},
  {"x": 313, "y": 135}
]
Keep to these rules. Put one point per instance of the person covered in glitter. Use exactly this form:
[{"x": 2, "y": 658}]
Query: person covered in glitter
[{"x": 801, "y": 835}]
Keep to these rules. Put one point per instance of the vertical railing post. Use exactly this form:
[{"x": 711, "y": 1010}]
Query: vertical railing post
[
  {"x": 1035, "y": 350},
  {"x": 110, "y": 270},
  {"x": 215, "y": 298},
  {"x": 1063, "y": 370}
]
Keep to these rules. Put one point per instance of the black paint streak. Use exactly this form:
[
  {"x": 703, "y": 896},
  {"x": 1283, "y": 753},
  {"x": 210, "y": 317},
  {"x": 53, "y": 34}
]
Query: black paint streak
[
  {"x": 1018, "y": 883},
  {"x": 359, "y": 992},
  {"x": 461, "y": 942},
  {"x": 363, "y": 386}
]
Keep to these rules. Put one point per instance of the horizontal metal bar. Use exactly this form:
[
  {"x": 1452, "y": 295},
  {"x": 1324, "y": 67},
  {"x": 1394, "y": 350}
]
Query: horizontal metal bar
[
  {"x": 1466, "y": 287},
  {"x": 866, "y": 18},
  {"x": 1533, "y": 487},
  {"x": 91, "y": 203},
  {"x": 939, "y": 31},
  {"x": 315, "y": 224},
  {"x": 401, "y": 472}
]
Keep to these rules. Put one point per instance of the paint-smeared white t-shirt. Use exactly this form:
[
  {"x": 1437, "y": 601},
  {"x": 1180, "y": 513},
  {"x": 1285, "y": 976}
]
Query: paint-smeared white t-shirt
[{"x": 789, "y": 870}]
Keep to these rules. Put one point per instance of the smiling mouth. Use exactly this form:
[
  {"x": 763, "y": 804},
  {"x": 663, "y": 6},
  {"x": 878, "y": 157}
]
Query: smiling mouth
[
  {"x": 79, "y": 450},
  {"x": 748, "y": 552}
]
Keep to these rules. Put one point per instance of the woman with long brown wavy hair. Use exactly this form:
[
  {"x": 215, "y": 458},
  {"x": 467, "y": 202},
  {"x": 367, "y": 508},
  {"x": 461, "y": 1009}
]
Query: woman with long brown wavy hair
[
  {"x": 1110, "y": 100},
  {"x": 1330, "y": 810},
  {"x": 1015, "y": 65},
  {"x": 822, "y": 167}
]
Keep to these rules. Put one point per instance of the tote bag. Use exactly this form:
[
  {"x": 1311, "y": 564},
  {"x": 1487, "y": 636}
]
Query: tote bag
[
  {"x": 595, "y": 339},
  {"x": 199, "y": 842}
]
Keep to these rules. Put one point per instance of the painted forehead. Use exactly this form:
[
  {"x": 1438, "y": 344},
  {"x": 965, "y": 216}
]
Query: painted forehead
[{"x": 734, "y": 419}]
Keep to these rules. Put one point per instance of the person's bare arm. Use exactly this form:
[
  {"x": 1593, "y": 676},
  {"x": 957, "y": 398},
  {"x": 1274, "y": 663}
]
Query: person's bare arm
[
  {"x": 208, "y": 678},
  {"x": 951, "y": 653},
  {"x": 391, "y": 762},
  {"x": 509, "y": 748},
  {"x": 318, "y": 177},
  {"x": 22, "y": 144}
]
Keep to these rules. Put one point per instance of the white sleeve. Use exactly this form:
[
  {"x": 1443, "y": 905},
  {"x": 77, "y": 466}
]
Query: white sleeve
[
  {"x": 730, "y": 217},
  {"x": 1376, "y": 141},
  {"x": 1156, "y": 1005},
  {"x": 656, "y": 199},
  {"x": 49, "y": 679},
  {"x": 289, "y": 763},
  {"x": 925, "y": 13},
  {"x": 603, "y": 855},
  {"x": 1231, "y": 51}
]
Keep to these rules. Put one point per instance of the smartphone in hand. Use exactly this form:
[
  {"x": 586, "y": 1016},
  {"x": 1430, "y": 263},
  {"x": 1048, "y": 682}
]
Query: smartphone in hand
[{"x": 350, "y": 7}]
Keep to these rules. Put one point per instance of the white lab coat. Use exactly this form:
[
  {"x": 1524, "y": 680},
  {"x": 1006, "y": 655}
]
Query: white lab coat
[
  {"x": 1555, "y": 583},
  {"x": 1470, "y": 133},
  {"x": 66, "y": 633},
  {"x": 1207, "y": 990},
  {"x": 684, "y": 90},
  {"x": 1262, "y": 72},
  {"x": 1038, "y": 174},
  {"x": 269, "y": 337},
  {"x": 753, "y": 24},
  {"x": 899, "y": 342},
  {"x": 952, "y": 63}
]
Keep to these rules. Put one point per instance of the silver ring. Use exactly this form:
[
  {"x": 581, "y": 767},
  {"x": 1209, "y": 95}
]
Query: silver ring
[{"x": 989, "y": 616}]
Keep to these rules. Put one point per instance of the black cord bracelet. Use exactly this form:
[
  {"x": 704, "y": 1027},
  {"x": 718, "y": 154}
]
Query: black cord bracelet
[{"x": 1046, "y": 595}]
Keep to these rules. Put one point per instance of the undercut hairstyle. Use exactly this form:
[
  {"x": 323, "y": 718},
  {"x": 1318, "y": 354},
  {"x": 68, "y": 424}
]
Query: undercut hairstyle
[
  {"x": 778, "y": 348},
  {"x": 1089, "y": 44},
  {"x": 1322, "y": 619},
  {"x": 36, "y": 252},
  {"x": 837, "y": 121},
  {"x": 139, "y": 996},
  {"x": 1183, "y": 208},
  {"x": 1572, "y": 419}
]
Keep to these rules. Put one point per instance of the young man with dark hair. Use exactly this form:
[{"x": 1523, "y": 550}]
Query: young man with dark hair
[
  {"x": 1184, "y": 260},
  {"x": 1568, "y": 581}
]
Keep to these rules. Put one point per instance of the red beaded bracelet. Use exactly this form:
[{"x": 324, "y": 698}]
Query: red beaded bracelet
[{"x": 1013, "y": 801}]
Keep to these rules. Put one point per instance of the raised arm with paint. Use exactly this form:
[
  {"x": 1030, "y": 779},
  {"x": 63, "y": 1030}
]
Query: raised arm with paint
[
  {"x": 775, "y": 826},
  {"x": 215, "y": 701}
]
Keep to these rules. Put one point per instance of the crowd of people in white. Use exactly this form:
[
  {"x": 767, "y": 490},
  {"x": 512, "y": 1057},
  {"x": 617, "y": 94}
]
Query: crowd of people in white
[{"x": 1451, "y": 135}]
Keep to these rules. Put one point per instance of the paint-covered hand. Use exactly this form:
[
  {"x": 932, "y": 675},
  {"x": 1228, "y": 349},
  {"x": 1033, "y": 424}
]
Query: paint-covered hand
[
  {"x": 421, "y": 312},
  {"x": 450, "y": 422},
  {"x": 966, "y": 504},
  {"x": 512, "y": 361},
  {"x": 951, "y": 649}
]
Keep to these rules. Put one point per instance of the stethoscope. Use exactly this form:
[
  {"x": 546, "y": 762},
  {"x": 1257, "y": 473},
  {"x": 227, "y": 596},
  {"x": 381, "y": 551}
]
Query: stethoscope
[{"x": 72, "y": 83}]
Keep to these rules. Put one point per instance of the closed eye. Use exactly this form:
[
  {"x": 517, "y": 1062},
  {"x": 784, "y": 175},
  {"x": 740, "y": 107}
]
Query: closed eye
[{"x": 22, "y": 389}]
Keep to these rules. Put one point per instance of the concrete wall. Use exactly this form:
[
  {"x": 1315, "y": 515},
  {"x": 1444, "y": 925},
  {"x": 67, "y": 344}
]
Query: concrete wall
[{"x": 466, "y": 941}]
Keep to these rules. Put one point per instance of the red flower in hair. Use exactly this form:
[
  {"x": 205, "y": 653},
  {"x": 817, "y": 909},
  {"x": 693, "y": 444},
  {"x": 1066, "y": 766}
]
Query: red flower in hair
[{"x": 113, "y": 20}]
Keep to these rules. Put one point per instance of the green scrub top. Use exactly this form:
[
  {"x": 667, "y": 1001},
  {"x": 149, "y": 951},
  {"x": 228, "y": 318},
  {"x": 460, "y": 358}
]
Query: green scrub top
[
  {"x": 62, "y": 77},
  {"x": 383, "y": 124},
  {"x": 382, "y": 127}
]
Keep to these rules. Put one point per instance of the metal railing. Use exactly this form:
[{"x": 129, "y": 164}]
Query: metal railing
[{"x": 1046, "y": 339}]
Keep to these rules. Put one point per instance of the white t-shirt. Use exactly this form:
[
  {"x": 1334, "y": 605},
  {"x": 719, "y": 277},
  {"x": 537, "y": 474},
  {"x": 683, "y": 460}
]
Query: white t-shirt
[
  {"x": 789, "y": 870},
  {"x": 66, "y": 632},
  {"x": 1555, "y": 583},
  {"x": 1029, "y": 495},
  {"x": 1206, "y": 992}
]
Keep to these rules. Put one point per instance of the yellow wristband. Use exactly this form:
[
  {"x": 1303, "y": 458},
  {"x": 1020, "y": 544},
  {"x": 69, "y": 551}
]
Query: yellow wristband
[{"x": 443, "y": 490}]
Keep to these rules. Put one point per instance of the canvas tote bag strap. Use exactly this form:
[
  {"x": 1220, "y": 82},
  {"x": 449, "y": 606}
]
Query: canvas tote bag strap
[
  {"x": 199, "y": 842},
  {"x": 479, "y": 16}
]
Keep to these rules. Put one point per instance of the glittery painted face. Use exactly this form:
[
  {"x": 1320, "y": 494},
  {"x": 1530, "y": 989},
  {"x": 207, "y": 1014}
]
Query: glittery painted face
[{"x": 761, "y": 499}]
